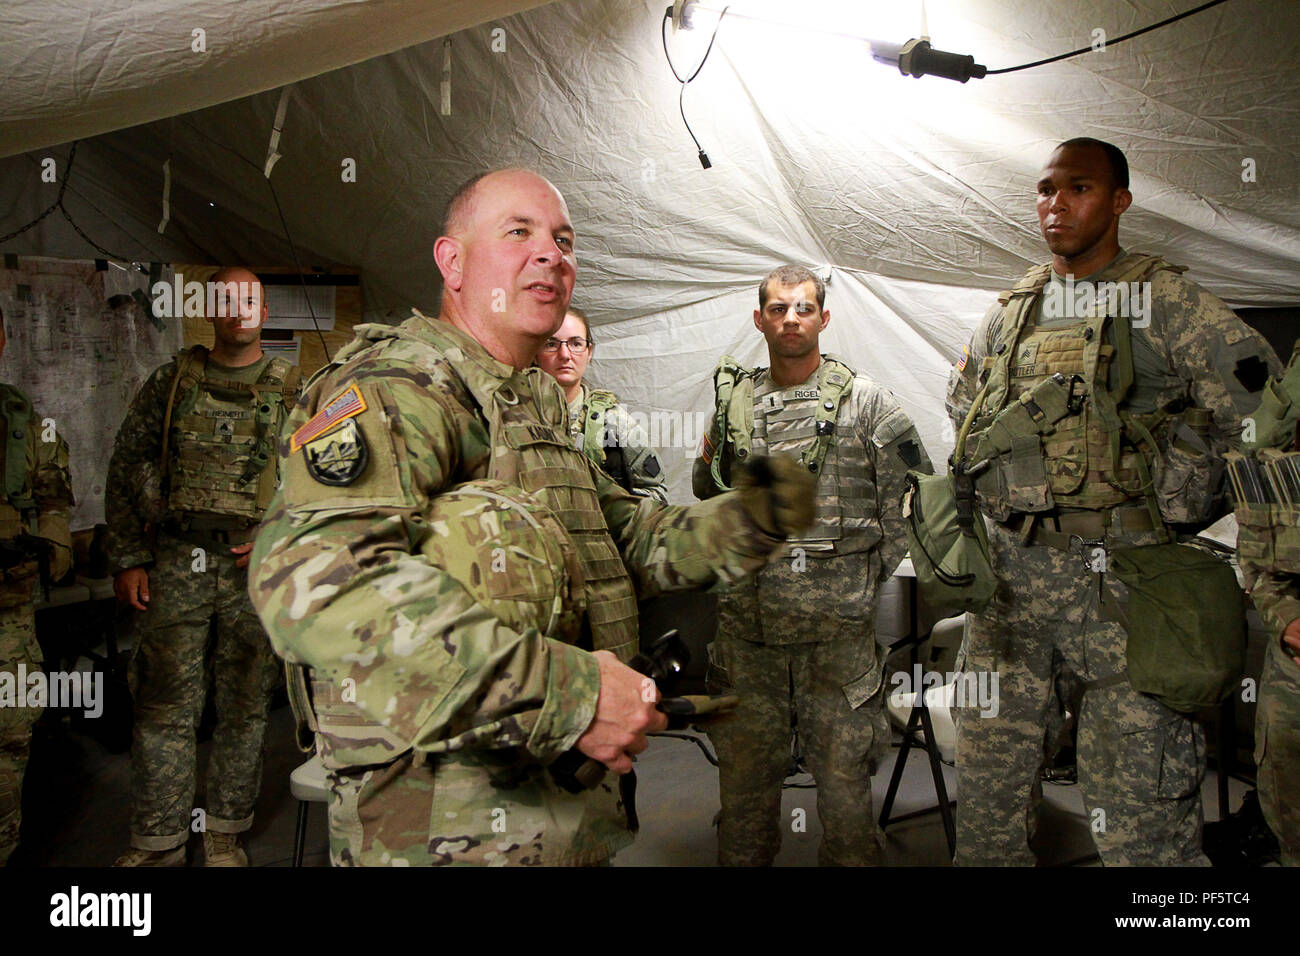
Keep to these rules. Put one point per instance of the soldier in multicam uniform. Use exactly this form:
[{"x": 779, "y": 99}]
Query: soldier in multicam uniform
[
  {"x": 33, "y": 529},
  {"x": 1272, "y": 569},
  {"x": 801, "y": 635},
  {"x": 601, "y": 426},
  {"x": 1177, "y": 374},
  {"x": 437, "y": 717},
  {"x": 207, "y": 424}
]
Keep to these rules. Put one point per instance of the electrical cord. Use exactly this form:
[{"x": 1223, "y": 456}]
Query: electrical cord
[
  {"x": 284, "y": 225},
  {"x": 1127, "y": 36},
  {"x": 58, "y": 204},
  {"x": 681, "y": 97}
]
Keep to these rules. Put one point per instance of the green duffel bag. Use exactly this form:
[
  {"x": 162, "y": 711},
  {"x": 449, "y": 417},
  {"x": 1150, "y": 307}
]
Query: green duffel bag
[
  {"x": 1186, "y": 623},
  {"x": 952, "y": 562}
]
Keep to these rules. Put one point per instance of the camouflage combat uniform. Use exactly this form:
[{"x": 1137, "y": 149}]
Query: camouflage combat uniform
[
  {"x": 605, "y": 432},
  {"x": 37, "y": 498},
  {"x": 800, "y": 636},
  {"x": 1140, "y": 762},
  {"x": 221, "y": 473},
  {"x": 1273, "y": 577},
  {"x": 454, "y": 712}
]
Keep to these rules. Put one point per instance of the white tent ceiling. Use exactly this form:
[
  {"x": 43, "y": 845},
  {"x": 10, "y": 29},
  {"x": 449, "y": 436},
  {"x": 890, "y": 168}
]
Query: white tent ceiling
[{"x": 916, "y": 195}]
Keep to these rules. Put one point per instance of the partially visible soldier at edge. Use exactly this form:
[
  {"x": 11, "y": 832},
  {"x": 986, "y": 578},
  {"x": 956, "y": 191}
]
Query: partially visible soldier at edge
[
  {"x": 1190, "y": 372},
  {"x": 435, "y": 720},
  {"x": 800, "y": 636},
  {"x": 601, "y": 426},
  {"x": 192, "y": 472},
  {"x": 33, "y": 531},
  {"x": 1273, "y": 579}
]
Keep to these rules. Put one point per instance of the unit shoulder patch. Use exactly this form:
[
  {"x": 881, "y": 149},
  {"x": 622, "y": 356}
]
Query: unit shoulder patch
[{"x": 339, "y": 456}]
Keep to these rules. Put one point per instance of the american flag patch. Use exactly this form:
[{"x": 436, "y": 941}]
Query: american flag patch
[
  {"x": 706, "y": 449},
  {"x": 965, "y": 354},
  {"x": 344, "y": 406}
]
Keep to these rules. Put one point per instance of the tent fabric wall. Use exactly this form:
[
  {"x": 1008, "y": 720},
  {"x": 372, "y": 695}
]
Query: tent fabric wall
[
  {"x": 915, "y": 195},
  {"x": 77, "y": 68}
]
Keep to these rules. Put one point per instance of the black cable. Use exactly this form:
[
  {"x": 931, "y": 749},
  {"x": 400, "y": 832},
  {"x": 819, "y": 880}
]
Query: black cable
[
  {"x": 283, "y": 225},
  {"x": 58, "y": 200},
  {"x": 681, "y": 98},
  {"x": 58, "y": 204},
  {"x": 1127, "y": 36}
]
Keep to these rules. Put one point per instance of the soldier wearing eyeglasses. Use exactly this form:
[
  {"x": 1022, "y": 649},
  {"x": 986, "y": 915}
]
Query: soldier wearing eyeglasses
[{"x": 602, "y": 427}]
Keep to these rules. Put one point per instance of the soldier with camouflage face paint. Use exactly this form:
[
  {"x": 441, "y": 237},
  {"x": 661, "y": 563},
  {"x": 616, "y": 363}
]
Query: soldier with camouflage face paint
[
  {"x": 800, "y": 636},
  {"x": 437, "y": 709},
  {"x": 1160, "y": 374},
  {"x": 33, "y": 522},
  {"x": 601, "y": 425},
  {"x": 201, "y": 435}
]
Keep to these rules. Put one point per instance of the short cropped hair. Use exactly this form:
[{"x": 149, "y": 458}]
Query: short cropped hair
[
  {"x": 458, "y": 206},
  {"x": 791, "y": 275},
  {"x": 1114, "y": 155}
]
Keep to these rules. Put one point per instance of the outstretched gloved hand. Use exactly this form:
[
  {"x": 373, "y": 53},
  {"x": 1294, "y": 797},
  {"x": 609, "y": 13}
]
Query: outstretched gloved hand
[{"x": 779, "y": 494}]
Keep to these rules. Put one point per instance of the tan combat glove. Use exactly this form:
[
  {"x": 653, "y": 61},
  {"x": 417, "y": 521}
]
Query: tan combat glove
[{"x": 779, "y": 493}]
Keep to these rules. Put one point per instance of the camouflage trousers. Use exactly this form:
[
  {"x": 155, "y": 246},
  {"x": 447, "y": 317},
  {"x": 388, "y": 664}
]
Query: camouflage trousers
[
  {"x": 470, "y": 811},
  {"x": 171, "y": 662},
  {"x": 1140, "y": 762},
  {"x": 17, "y": 646},
  {"x": 833, "y": 688},
  {"x": 1277, "y": 750}
]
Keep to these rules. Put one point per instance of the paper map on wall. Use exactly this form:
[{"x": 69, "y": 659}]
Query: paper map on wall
[{"x": 80, "y": 345}]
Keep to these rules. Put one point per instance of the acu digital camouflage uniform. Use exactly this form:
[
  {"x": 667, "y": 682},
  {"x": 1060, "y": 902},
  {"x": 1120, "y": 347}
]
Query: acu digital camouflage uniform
[
  {"x": 454, "y": 712},
  {"x": 605, "y": 432},
  {"x": 800, "y": 636},
  {"x": 222, "y": 465},
  {"x": 37, "y": 499},
  {"x": 1140, "y": 762},
  {"x": 1269, "y": 549}
]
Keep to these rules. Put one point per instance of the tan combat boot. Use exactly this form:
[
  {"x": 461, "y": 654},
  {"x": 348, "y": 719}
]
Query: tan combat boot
[
  {"x": 136, "y": 857},
  {"x": 223, "y": 849}
]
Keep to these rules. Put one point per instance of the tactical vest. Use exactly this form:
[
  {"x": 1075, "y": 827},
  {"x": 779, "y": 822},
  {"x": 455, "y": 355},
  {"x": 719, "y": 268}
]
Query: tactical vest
[
  {"x": 223, "y": 436},
  {"x": 18, "y": 511},
  {"x": 593, "y": 433},
  {"x": 526, "y": 419},
  {"x": 782, "y": 421},
  {"x": 1090, "y": 458},
  {"x": 734, "y": 412}
]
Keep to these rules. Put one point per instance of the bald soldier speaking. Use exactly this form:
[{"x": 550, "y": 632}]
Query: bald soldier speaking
[{"x": 436, "y": 716}]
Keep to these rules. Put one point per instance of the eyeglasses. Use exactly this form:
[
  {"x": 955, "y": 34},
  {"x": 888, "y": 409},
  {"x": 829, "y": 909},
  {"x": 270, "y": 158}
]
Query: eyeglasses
[{"x": 576, "y": 345}]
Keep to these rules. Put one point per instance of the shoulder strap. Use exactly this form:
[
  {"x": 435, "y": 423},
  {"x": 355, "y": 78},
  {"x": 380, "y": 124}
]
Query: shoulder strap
[
  {"x": 600, "y": 402},
  {"x": 1018, "y": 303},
  {"x": 834, "y": 381},
  {"x": 733, "y": 387},
  {"x": 1030, "y": 283},
  {"x": 187, "y": 361}
]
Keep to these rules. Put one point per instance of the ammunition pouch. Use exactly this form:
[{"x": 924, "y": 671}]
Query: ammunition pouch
[
  {"x": 1268, "y": 536},
  {"x": 1009, "y": 464},
  {"x": 1189, "y": 486}
]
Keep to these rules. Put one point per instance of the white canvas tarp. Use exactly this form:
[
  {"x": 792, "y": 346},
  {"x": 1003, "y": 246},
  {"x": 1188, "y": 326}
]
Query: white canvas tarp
[{"x": 914, "y": 196}]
